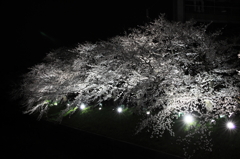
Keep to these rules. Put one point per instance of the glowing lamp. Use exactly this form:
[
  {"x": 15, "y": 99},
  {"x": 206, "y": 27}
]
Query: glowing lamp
[
  {"x": 119, "y": 109},
  {"x": 148, "y": 112},
  {"x": 188, "y": 119},
  {"x": 230, "y": 125},
  {"x": 82, "y": 106}
]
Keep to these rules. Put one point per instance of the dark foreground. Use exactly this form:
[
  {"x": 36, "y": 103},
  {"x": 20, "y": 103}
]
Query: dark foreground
[{"x": 25, "y": 137}]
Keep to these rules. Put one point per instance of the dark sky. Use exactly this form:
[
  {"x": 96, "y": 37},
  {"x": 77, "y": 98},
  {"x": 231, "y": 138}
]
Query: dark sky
[{"x": 33, "y": 28}]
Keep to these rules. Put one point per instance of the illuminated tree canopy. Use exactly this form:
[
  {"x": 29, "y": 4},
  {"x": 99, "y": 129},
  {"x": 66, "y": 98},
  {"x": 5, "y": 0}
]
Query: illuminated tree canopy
[{"x": 165, "y": 67}]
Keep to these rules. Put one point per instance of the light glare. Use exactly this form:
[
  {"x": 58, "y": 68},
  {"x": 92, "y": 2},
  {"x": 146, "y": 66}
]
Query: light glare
[
  {"x": 119, "y": 110},
  {"x": 188, "y": 119},
  {"x": 230, "y": 125},
  {"x": 82, "y": 106}
]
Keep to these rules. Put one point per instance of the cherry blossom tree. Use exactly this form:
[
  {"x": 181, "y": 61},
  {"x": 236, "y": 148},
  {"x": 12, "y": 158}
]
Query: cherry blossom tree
[{"x": 167, "y": 68}]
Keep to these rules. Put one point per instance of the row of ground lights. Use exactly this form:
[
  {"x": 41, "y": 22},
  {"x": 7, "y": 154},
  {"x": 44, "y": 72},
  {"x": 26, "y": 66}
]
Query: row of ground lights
[{"x": 188, "y": 119}]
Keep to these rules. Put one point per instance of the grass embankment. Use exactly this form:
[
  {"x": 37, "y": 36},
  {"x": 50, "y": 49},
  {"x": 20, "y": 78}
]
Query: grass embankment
[{"x": 122, "y": 126}]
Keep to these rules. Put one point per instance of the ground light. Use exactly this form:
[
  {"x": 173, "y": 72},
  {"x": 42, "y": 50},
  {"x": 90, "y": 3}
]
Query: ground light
[
  {"x": 100, "y": 106},
  {"x": 119, "y": 109},
  {"x": 82, "y": 106},
  {"x": 188, "y": 119},
  {"x": 148, "y": 112},
  {"x": 230, "y": 125}
]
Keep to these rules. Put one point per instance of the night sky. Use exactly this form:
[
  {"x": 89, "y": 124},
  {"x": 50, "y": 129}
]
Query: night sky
[{"x": 33, "y": 28}]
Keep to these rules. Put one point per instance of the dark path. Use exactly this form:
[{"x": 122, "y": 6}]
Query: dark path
[{"x": 24, "y": 137}]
